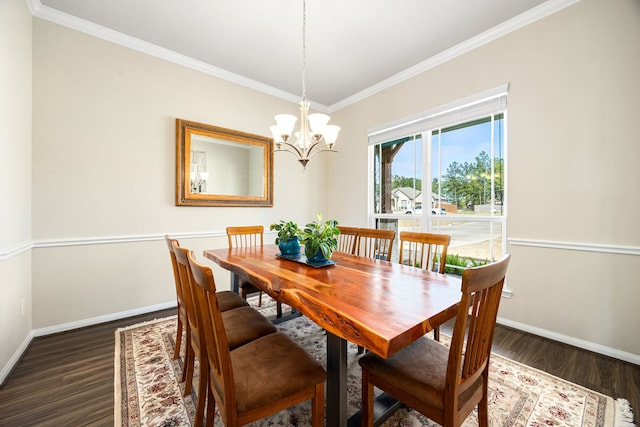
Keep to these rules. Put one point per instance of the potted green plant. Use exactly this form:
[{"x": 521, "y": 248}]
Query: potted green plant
[
  {"x": 319, "y": 239},
  {"x": 287, "y": 239}
]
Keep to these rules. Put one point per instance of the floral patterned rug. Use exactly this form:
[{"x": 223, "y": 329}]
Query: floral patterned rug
[{"x": 147, "y": 391}]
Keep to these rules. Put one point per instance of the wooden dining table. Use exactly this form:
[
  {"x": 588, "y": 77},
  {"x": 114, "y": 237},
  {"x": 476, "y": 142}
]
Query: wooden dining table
[{"x": 380, "y": 305}]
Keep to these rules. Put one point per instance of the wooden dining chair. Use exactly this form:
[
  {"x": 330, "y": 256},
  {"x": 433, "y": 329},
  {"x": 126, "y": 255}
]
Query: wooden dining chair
[
  {"x": 241, "y": 237},
  {"x": 444, "y": 384},
  {"x": 182, "y": 321},
  {"x": 424, "y": 250},
  {"x": 259, "y": 378},
  {"x": 228, "y": 300},
  {"x": 246, "y": 236},
  {"x": 347, "y": 239},
  {"x": 374, "y": 243},
  {"x": 242, "y": 325}
]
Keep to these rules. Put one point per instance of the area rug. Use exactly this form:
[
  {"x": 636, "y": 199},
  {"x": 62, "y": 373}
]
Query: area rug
[{"x": 147, "y": 391}]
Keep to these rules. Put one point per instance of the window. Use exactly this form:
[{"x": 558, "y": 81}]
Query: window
[{"x": 446, "y": 176}]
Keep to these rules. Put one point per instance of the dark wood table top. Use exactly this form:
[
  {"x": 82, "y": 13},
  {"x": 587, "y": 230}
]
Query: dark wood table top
[{"x": 380, "y": 305}]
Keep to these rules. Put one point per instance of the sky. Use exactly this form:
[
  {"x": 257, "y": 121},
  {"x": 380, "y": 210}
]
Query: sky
[{"x": 460, "y": 145}]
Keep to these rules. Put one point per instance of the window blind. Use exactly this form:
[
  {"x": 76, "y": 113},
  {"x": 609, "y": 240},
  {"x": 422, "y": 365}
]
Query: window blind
[{"x": 484, "y": 103}]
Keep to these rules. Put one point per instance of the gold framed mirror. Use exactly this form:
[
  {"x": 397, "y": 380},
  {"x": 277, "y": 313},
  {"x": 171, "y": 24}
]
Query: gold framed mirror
[{"x": 222, "y": 167}]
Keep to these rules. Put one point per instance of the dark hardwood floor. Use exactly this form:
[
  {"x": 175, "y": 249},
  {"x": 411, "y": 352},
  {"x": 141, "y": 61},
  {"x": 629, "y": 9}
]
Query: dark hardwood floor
[{"x": 67, "y": 379}]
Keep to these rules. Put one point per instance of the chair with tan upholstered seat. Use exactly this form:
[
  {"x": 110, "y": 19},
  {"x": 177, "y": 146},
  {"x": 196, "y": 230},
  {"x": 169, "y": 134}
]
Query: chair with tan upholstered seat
[
  {"x": 242, "y": 325},
  {"x": 260, "y": 378},
  {"x": 443, "y": 384},
  {"x": 424, "y": 250}
]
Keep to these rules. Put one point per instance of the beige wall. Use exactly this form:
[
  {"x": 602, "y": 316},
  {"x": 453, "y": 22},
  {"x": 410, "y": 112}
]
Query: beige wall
[
  {"x": 573, "y": 177},
  {"x": 15, "y": 181},
  {"x": 104, "y": 170}
]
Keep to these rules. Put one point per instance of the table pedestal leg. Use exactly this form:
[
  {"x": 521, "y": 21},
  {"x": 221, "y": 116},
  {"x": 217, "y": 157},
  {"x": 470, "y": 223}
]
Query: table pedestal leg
[
  {"x": 336, "y": 381},
  {"x": 235, "y": 283}
]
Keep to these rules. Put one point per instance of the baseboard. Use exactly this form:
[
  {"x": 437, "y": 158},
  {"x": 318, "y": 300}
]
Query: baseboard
[
  {"x": 6, "y": 370},
  {"x": 576, "y": 342},
  {"x": 101, "y": 319}
]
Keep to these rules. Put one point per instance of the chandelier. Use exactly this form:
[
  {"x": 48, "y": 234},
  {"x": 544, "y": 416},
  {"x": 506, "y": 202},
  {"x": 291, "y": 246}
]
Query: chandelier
[{"x": 314, "y": 128}]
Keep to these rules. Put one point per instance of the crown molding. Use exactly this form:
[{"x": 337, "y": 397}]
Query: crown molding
[
  {"x": 539, "y": 12},
  {"x": 87, "y": 27}
]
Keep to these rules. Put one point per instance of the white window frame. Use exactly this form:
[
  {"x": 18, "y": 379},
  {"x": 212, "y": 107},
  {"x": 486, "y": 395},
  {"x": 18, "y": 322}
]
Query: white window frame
[{"x": 487, "y": 103}]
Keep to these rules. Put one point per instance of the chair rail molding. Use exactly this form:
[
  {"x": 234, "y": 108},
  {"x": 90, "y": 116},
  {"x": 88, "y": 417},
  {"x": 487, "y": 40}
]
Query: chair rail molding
[
  {"x": 9, "y": 252},
  {"x": 12, "y": 251},
  {"x": 574, "y": 246},
  {"x": 81, "y": 241}
]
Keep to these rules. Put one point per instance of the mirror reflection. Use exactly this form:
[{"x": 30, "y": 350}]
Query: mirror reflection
[{"x": 222, "y": 167}]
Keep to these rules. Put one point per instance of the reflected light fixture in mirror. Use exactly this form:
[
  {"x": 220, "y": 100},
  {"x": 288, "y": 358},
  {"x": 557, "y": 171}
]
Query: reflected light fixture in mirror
[{"x": 314, "y": 128}]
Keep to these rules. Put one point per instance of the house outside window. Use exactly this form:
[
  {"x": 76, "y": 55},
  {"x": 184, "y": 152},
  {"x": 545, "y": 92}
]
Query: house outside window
[{"x": 447, "y": 176}]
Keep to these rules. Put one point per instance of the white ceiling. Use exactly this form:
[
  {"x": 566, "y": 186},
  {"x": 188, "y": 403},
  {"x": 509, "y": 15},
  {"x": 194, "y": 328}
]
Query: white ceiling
[{"x": 354, "y": 47}]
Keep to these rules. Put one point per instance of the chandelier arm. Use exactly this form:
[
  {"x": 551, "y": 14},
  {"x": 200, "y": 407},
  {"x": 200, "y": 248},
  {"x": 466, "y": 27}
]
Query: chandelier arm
[
  {"x": 315, "y": 146},
  {"x": 291, "y": 148},
  {"x": 311, "y": 152},
  {"x": 300, "y": 158},
  {"x": 320, "y": 151}
]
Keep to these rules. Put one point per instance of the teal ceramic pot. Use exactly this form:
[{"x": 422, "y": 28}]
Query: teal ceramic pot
[
  {"x": 318, "y": 258},
  {"x": 290, "y": 247}
]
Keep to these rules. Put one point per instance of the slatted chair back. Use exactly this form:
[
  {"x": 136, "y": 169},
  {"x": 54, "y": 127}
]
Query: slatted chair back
[
  {"x": 347, "y": 239},
  {"x": 245, "y": 236},
  {"x": 475, "y": 324},
  {"x": 374, "y": 243},
  {"x": 424, "y": 250}
]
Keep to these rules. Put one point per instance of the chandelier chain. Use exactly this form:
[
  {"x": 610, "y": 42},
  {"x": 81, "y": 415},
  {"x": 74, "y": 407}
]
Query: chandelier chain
[
  {"x": 304, "y": 50},
  {"x": 314, "y": 128}
]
